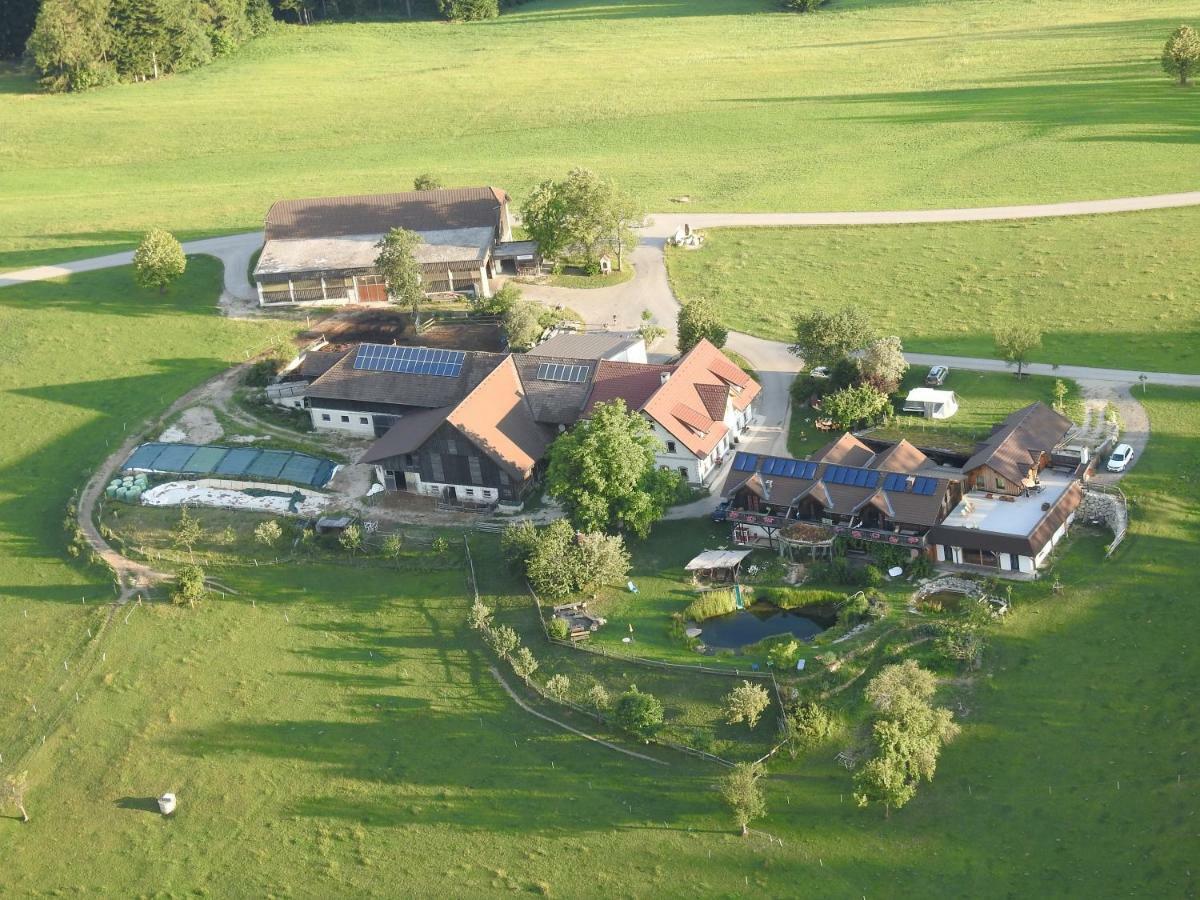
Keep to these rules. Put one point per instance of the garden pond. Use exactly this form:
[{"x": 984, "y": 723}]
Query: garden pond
[{"x": 763, "y": 620}]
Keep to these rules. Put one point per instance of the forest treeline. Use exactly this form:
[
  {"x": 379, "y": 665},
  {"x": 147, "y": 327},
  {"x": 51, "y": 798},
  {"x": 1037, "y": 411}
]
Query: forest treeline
[{"x": 81, "y": 44}]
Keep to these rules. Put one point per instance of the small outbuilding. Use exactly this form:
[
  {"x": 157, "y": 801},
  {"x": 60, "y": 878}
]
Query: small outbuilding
[
  {"x": 931, "y": 403},
  {"x": 717, "y": 565}
]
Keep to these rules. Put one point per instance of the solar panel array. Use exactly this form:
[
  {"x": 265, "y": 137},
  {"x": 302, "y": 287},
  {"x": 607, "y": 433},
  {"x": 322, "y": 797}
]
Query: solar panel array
[
  {"x": 898, "y": 483},
  {"x": 409, "y": 360},
  {"x": 850, "y": 477},
  {"x": 563, "y": 372}
]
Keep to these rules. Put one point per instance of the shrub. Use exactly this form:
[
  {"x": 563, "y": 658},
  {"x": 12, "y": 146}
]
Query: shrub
[
  {"x": 872, "y": 576},
  {"x": 886, "y": 556},
  {"x": 638, "y": 713},
  {"x": 558, "y": 629},
  {"x": 802, "y": 6},
  {"x": 502, "y": 639},
  {"x": 711, "y": 604},
  {"x": 921, "y": 567},
  {"x": 189, "y": 586},
  {"x": 440, "y": 546},
  {"x": 808, "y": 725},
  {"x": 852, "y": 609},
  {"x": 784, "y": 653},
  {"x": 518, "y": 543},
  {"x": 558, "y": 687},
  {"x": 561, "y": 562},
  {"x": 469, "y": 10}
]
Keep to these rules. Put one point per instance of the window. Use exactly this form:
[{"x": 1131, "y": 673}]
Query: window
[
  {"x": 435, "y": 463},
  {"x": 999, "y": 483},
  {"x": 451, "y": 446},
  {"x": 345, "y": 418},
  {"x": 684, "y": 472},
  {"x": 670, "y": 446},
  {"x": 363, "y": 420},
  {"x": 476, "y": 474},
  {"x": 470, "y": 492},
  {"x": 324, "y": 417},
  {"x": 408, "y": 459}
]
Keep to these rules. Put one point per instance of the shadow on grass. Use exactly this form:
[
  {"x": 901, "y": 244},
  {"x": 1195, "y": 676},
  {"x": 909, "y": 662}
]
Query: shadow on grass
[{"x": 141, "y": 804}]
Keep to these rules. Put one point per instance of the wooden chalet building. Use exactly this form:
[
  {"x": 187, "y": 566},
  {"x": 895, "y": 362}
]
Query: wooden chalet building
[
  {"x": 1006, "y": 508},
  {"x": 322, "y": 251}
]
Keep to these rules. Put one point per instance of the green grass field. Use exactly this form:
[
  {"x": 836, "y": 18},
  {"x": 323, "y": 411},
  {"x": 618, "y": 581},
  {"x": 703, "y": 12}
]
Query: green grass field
[
  {"x": 1110, "y": 291},
  {"x": 871, "y": 104},
  {"x": 985, "y": 398}
]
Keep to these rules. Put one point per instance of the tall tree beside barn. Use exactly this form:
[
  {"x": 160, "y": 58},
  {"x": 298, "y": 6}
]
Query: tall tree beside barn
[
  {"x": 397, "y": 263},
  {"x": 158, "y": 260},
  {"x": 582, "y": 215}
]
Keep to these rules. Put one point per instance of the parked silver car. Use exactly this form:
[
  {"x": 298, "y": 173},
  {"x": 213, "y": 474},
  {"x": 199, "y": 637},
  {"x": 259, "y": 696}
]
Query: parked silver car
[{"x": 937, "y": 376}]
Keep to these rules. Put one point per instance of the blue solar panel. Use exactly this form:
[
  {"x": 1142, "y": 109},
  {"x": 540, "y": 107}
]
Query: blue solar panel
[
  {"x": 744, "y": 462},
  {"x": 894, "y": 482},
  {"x": 810, "y": 469},
  {"x": 925, "y": 486},
  {"x": 409, "y": 360},
  {"x": 872, "y": 478},
  {"x": 789, "y": 471}
]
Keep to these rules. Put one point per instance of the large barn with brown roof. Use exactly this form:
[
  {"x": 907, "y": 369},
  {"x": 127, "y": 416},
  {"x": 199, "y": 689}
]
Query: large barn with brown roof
[{"x": 322, "y": 250}]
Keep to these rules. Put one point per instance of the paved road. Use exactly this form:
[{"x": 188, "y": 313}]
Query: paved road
[{"x": 234, "y": 250}]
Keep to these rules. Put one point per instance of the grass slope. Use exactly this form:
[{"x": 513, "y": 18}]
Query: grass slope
[
  {"x": 85, "y": 358},
  {"x": 1112, "y": 291},
  {"x": 868, "y": 104}
]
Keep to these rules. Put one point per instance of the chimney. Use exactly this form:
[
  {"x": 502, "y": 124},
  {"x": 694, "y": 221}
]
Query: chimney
[{"x": 663, "y": 376}]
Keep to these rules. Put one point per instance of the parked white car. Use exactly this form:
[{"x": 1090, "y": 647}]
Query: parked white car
[
  {"x": 820, "y": 372},
  {"x": 1120, "y": 458}
]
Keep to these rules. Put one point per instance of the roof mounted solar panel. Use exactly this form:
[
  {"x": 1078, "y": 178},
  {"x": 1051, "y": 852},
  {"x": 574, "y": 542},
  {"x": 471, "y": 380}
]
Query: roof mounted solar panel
[
  {"x": 810, "y": 469},
  {"x": 409, "y": 360},
  {"x": 562, "y": 372},
  {"x": 872, "y": 478},
  {"x": 744, "y": 462}
]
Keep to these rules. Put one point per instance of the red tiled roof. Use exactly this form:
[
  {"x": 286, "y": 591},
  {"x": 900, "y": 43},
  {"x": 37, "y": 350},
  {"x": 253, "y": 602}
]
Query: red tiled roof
[
  {"x": 713, "y": 397},
  {"x": 632, "y": 382},
  {"x": 700, "y": 368},
  {"x": 697, "y": 421},
  {"x": 497, "y": 419}
]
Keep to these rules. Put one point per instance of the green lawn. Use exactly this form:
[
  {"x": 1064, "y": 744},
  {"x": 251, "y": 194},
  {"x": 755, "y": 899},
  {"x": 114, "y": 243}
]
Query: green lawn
[
  {"x": 985, "y": 398},
  {"x": 870, "y": 104},
  {"x": 1112, "y": 291}
]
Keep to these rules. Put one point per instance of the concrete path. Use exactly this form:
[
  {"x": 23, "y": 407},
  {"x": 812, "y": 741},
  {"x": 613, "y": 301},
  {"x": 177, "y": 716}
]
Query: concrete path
[{"x": 234, "y": 250}]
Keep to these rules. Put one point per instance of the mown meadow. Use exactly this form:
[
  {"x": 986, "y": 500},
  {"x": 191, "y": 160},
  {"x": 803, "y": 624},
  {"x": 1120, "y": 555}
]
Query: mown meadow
[
  {"x": 1111, "y": 291},
  {"x": 732, "y": 104}
]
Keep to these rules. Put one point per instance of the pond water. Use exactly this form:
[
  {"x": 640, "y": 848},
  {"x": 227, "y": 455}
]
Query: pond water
[{"x": 763, "y": 620}]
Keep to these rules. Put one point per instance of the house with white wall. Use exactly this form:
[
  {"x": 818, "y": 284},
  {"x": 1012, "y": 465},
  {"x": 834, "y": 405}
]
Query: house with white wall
[{"x": 698, "y": 406}]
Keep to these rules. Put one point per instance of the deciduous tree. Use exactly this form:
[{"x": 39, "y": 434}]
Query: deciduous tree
[
  {"x": 698, "y": 320},
  {"x": 187, "y": 531},
  {"x": 351, "y": 538},
  {"x": 397, "y": 263},
  {"x": 1015, "y": 342},
  {"x": 558, "y": 686},
  {"x": 158, "y": 260},
  {"x": 598, "y": 698},
  {"x": 503, "y": 640},
  {"x": 743, "y": 795},
  {"x": 427, "y": 182},
  {"x": 883, "y": 364},
  {"x": 584, "y": 214},
  {"x": 1181, "y": 55},
  {"x": 603, "y": 472},
  {"x": 523, "y": 663},
  {"x": 746, "y": 703},
  {"x": 480, "y": 617},
  {"x": 393, "y": 547},
  {"x": 823, "y": 337},
  {"x": 522, "y": 324}
]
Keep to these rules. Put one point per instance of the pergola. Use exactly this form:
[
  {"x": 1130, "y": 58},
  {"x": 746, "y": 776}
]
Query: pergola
[{"x": 717, "y": 565}]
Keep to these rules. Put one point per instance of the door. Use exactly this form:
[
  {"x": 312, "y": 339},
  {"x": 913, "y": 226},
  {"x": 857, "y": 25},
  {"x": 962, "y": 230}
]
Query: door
[{"x": 371, "y": 289}]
